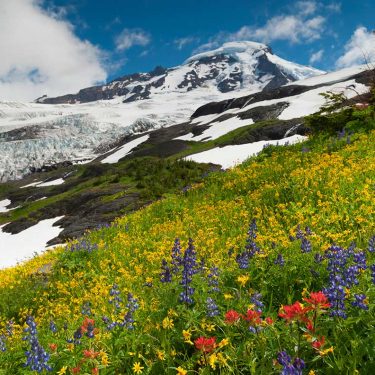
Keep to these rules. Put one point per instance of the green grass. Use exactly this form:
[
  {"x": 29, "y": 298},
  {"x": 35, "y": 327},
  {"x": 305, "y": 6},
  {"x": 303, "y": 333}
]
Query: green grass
[{"x": 326, "y": 183}]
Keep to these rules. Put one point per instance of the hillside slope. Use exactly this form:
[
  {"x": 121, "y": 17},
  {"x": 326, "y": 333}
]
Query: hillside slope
[{"x": 109, "y": 303}]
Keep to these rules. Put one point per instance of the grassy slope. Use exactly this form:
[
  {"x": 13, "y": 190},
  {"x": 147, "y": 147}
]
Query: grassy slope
[
  {"x": 146, "y": 179},
  {"x": 329, "y": 188}
]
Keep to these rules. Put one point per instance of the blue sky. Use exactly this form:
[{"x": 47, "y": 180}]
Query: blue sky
[
  {"x": 107, "y": 39},
  {"x": 166, "y": 22}
]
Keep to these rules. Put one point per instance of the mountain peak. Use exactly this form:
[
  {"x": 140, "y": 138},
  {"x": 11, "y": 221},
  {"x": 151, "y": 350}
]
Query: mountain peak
[{"x": 232, "y": 49}]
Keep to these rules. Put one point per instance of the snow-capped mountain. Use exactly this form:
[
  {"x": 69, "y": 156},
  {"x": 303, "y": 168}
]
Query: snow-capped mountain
[
  {"x": 53, "y": 130},
  {"x": 232, "y": 67}
]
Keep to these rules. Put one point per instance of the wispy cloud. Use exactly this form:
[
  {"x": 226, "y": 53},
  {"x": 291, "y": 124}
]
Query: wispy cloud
[
  {"x": 306, "y": 8},
  {"x": 180, "y": 43},
  {"x": 304, "y": 26},
  {"x": 132, "y": 37},
  {"x": 43, "y": 54},
  {"x": 334, "y": 7},
  {"x": 316, "y": 57},
  {"x": 359, "y": 49}
]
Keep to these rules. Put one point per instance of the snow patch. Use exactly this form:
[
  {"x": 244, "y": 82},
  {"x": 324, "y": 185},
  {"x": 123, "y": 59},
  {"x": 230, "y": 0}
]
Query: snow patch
[
  {"x": 21, "y": 246},
  {"x": 124, "y": 150},
  {"x": 3, "y": 205},
  {"x": 229, "y": 156},
  {"x": 217, "y": 129},
  {"x": 58, "y": 181}
]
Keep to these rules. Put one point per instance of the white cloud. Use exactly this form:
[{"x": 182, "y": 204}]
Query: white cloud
[
  {"x": 302, "y": 26},
  {"x": 316, "y": 57},
  {"x": 42, "y": 55},
  {"x": 306, "y": 8},
  {"x": 293, "y": 28},
  {"x": 359, "y": 49},
  {"x": 180, "y": 43},
  {"x": 334, "y": 7},
  {"x": 131, "y": 37}
]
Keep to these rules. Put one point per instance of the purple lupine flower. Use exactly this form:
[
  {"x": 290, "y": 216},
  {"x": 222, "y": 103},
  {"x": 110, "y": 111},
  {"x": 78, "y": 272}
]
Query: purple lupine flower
[
  {"x": 318, "y": 258},
  {"x": 86, "y": 309},
  {"x": 256, "y": 299},
  {"x": 83, "y": 245},
  {"x": 116, "y": 300},
  {"x": 360, "y": 259},
  {"x": 52, "y": 326},
  {"x": 279, "y": 260},
  {"x": 3, "y": 347},
  {"x": 344, "y": 266},
  {"x": 132, "y": 306},
  {"x": 341, "y": 134},
  {"x": 360, "y": 301},
  {"x": 77, "y": 335},
  {"x": 284, "y": 358},
  {"x": 251, "y": 248},
  {"x": 371, "y": 244},
  {"x": 90, "y": 331},
  {"x": 299, "y": 233},
  {"x": 212, "y": 308},
  {"x": 372, "y": 268},
  {"x": 305, "y": 245},
  {"x": 288, "y": 368},
  {"x": 36, "y": 357},
  {"x": 189, "y": 268},
  {"x": 165, "y": 274},
  {"x": 299, "y": 364},
  {"x": 337, "y": 260},
  {"x": 213, "y": 280},
  {"x": 176, "y": 257}
]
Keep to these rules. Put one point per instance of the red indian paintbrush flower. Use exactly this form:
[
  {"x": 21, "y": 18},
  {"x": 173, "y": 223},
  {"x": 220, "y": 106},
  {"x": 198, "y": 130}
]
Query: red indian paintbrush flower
[
  {"x": 205, "y": 344},
  {"x": 317, "y": 344},
  {"x": 295, "y": 312},
  {"x": 232, "y": 316},
  {"x": 317, "y": 301},
  {"x": 253, "y": 317},
  {"x": 90, "y": 353}
]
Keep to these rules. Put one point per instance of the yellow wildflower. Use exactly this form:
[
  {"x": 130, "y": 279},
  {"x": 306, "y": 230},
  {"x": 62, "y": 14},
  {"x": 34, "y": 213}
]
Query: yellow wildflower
[
  {"x": 187, "y": 336},
  {"x": 326, "y": 351},
  {"x": 62, "y": 370},
  {"x": 181, "y": 371},
  {"x": 227, "y": 296},
  {"x": 70, "y": 347},
  {"x": 173, "y": 353},
  {"x": 223, "y": 343},
  {"x": 104, "y": 358},
  {"x": 167, "y": 323},
  {"x": 161, "y": 355},
  {"x": 243, "y": 279},
  {"x": 212, "y": 361},
  {"x": 137, "y": 368},
  {"x": 171, "y": 313},
  {"x": 222, "y": 359},
  {"x": 312, "y": 372}
]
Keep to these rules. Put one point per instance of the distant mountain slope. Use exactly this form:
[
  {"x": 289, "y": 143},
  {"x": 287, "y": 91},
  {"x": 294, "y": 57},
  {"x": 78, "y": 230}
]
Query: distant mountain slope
[
  {"x": 232, "y": 67},
  {"x": 33, "y": 135}
]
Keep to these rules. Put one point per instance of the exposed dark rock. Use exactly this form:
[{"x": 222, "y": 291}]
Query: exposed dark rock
[
  {"x": 268, "y": 94},
  {"x": 273, "y": 131}
]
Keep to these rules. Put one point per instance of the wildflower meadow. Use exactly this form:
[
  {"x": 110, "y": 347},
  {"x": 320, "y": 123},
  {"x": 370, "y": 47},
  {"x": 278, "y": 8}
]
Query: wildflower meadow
[{"x": 267, "y": 268}]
